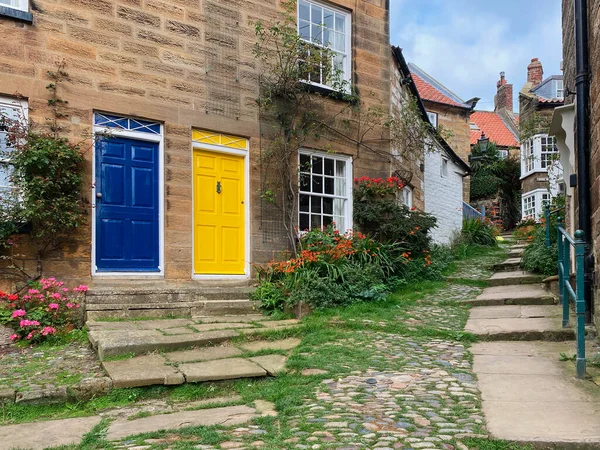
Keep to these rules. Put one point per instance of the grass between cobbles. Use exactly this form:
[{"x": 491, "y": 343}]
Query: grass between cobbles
[{"x": 332, "y": 340}]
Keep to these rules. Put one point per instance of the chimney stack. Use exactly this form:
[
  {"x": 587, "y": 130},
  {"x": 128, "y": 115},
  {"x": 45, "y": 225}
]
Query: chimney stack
[
  {"x": 535, "y": 72},
  {"x": 504, "y": 95}
]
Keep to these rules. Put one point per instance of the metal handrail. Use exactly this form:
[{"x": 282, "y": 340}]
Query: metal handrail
[{"x": 566, "y": 291}]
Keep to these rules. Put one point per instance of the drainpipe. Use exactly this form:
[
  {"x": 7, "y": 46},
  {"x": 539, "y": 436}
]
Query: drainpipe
[{"x": 583, "y": 138}]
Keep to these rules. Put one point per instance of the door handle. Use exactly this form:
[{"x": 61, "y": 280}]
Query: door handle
[
  {"x": 98, "y": 195},
  {"x": 218, "y": 187}
]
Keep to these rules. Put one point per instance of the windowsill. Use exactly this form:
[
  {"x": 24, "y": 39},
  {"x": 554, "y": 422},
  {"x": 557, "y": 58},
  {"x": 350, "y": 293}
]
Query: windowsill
[
  {"x": 17, "y": 14},
  {"x": 328, "y": 92}
]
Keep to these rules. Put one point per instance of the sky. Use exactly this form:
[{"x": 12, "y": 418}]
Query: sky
[{"x": 465, "y": 44}]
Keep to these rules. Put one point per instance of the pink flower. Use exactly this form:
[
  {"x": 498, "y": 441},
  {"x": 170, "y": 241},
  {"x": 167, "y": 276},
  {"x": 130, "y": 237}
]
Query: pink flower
[
  {"x": 28, "y": 323},
  {"x": 48, "y": 330},
  {"x": 34, "y": 291},
  {"x": 53, "y": 306},
  {"x": 19, "y": 313},
  {"x": 65, "y": 289},
  {"x": 69, "y": 305},
  {"x": 14, "y": 337},
  {"x": 30, "y": 335},
  {"x": 56, "y": 296},
  {"x": 80, "y": 288},
  {"x": 27, "y": 297}
]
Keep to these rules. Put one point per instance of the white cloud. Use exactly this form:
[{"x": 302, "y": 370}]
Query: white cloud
[{"x": 465, "y": 44}]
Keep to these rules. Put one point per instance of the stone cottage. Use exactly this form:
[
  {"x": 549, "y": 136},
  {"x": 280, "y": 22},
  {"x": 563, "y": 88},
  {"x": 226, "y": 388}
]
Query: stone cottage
[
  {"x": 175, "y": 192},
  {"x": 438, "y": 168},
  {"x": 540, "y": 169}
]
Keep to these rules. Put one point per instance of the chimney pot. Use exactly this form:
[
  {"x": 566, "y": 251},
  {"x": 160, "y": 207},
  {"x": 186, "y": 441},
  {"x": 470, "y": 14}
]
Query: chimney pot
[
  {"x": 535, "y": 72},
  {"x": 504, "y": 95}
]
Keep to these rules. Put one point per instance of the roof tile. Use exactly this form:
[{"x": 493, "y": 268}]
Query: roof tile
[
  {"x": 428, "y": 92},
  {"x": 494, "y": 128}
]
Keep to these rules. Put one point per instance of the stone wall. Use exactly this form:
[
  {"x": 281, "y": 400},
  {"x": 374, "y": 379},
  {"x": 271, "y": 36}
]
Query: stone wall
[{"x": 185, "y": 63}]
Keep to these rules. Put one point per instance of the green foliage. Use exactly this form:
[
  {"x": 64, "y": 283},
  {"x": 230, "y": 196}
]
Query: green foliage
[
  {"x": 478, "y": 232},
  {"x": 48, "y": 173},
  {"x": 381, "y": 217},
  {"x": 494, "y": 176},
  {"x": 537, "y": 258}
]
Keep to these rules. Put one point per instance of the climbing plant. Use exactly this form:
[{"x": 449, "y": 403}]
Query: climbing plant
[
  {"x": 46, "y": 199},
  {"x": 294, "y": 113}
]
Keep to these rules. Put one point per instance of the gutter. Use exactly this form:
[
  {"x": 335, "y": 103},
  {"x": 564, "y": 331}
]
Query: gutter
[{"x": 582, "y": 83}]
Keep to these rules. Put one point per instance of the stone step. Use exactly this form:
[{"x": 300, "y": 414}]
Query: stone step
[
  {"x": 515, "y": 277},
  {"x": 515, "y": 253},
  {"x": 123, "y": 296},
  {"x": 214, "y": 363},
  {"x": 170, "y": 309},
  {"x": 511, "y": 264},
  {"x": 518, "y": 323},
  {"x": 522, "y": 294},
  {"x": 111, "y": 339},
  {"x": 519, "y": 246}
]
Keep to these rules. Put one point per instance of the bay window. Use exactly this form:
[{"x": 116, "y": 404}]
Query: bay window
[
  {"x": 325, "y": 191},
  {"x": 538, "y": 154},
  {"x": 534, "y": 202},
  {"x": 13, "y": 112}
]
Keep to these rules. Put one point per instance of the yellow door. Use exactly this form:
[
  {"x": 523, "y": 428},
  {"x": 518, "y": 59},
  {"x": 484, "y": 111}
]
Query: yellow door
[{"x": 219, "y": 237}]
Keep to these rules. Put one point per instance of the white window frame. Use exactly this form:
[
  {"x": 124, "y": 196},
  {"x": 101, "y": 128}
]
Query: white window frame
[
  {"x": 537, "y": 197},
  {"x": 347, "y": 213},
  {"x": 531, "y": 154},
  {"x": 503, "y": 154},
  {"x": 347, "y": 66},
  {"x": 22, "y": 107},
  {"x": 433, "y": 119},
  {"x": 20, "y": 5},
  {"x": 444, "y": 170},
  {"x": 548, "y": 151},
  {"x": 407, "y": 196},
  {"x": 560, "y": 91}
]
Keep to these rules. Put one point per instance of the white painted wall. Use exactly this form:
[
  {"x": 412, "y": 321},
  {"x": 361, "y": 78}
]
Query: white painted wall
[{"x": 443, "y": 195}]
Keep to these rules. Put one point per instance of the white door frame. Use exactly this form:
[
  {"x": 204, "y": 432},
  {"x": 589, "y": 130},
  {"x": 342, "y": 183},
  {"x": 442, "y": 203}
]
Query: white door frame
[
  {"x": 140, "y": 136},
  {"x": 246, "y": 155}
]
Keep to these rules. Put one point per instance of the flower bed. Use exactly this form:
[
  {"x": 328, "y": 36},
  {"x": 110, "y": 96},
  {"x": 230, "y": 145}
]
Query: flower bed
[{"x": 47, "y": 309}]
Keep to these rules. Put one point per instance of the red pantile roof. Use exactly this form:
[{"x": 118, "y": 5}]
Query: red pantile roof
[
  {"x": 547, "y": 100},
  {"x": 428, "y": 92},
  {"x": 494, "y": 128}
]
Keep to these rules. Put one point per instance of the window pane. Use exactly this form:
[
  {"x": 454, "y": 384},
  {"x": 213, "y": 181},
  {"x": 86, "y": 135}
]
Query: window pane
[
  {"x": 329, "y": 182},
  {"x": 339, "y": 43},
  {"x": 304, "y": 29},
  {"x": 339, "y": 23},
  {"x": 329, "y": 165},
  {"x": 304, "y": 163},
  {"x": 303, "y": 10},
  {"x": 305, "y": 182},
  {"x": 340, "y": 187},
  {"x": 316, "y": 33},
  {"x": 328, "y": 19},
  {"x": 317, "y": 165},
  {"x": 315, "y": 221},
  {"x": 304, "y": 203},
  {"x": 327, "y": 220},
  {"x": 304, "y": 222},
  {"x": 5, "y": 171},
  {"x": 317, "y": 184},
  {"x": 327, "y": 206},
  {"x": 340, "y": 168},
  {"x": 315, "y": 205}
]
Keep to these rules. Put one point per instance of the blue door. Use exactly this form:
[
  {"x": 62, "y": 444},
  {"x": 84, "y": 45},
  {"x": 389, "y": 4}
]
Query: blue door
[{"x": 127, "y": 231}]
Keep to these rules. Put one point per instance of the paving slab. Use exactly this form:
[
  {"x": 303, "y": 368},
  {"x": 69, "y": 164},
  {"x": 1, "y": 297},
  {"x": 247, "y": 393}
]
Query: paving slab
[
  {"x": 510, "y": 263},
  {"x": 111, "y": 343},
  {"x": 163, "y": 323},
  {"x": 142, "y": 371},
  {"x": 529, "y": 395},
  {"x": 521, "y": 294},
  {"x": 226, "y": 416},
  {"x": 273, "y": 364},
  {"x": 283, "y": 344},
  {"x": 177, "y": 331},
  {"x": 520, "y": 329},
  {"x": 514, "y": 277},
  {"x": 40, "y": 435},
  {"x": 515, "y": 312},
  {"x": 223, "y": 369},
  {"x": 279, "y": 323},
  {"x": 241, "y": 318},
  {"x": 222, "y": 326},
  {"x": 203, "y": 354}
]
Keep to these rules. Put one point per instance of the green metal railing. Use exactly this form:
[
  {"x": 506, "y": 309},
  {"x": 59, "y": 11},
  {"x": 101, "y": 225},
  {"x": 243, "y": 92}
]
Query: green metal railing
[{"x": 566, "y": 291}]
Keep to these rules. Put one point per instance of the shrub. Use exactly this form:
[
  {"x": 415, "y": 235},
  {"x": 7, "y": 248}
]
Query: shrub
[
  {"x": 378, "y": 214},
  {"x": 332, "y": 269},
  {"x": 538, "y": 258},
  {"x": 478, "y": 232},
  {"x": 48, "y": 308}
]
